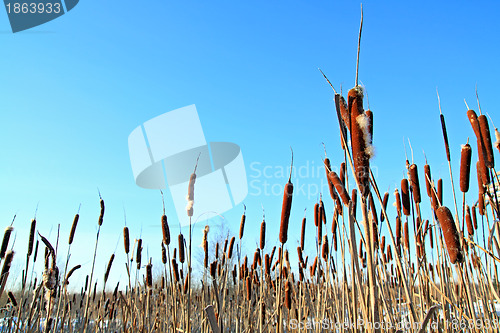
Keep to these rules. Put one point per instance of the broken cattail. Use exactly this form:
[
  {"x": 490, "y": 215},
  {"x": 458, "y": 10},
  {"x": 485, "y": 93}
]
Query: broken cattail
[
  {"x": 384, "y": 205},
  {"x": 428, "y": 184},
  {"x": 450, "y": 233},
  {"x": 465, "y": 159},
  {"x": 339, "y": 186},
  {"x": 5, "y": 241},
  {"x": 485, "y": 134},
  {"x": 32, "y": 237},
  {"x": 126, "y": 240},
  {"x": 405, "y": 196},
  {"x": 414, "y": 183},
  {"x": 165, "y": 230},
  {"x": 303, "y": 233},
  {"x": 108, "y": 268},
  {"x": 182, "y": 256}
]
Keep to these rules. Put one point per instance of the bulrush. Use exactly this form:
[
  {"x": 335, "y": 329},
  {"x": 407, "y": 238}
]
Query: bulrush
[
  {"x": 407, "y": 237},
  {"x": 32, "y": 237},
  {"x": 428, "y": 179},
  {"x": 242, "y": 222},
  {"x": 398, "y": 231},
  {"x": 405, "y": 196},
  {"x": 339, "y": 186},
  {"x": 398, "y": 201},
  {"x": 465, "y": 159},
  {"x": 230, "y": 249},
  {"x": 497, "y": 136},
  {"x": 126, "y": 240},
  {"x": 182, "y": 256},
  {"x": 72, "y": 232},
  {"x": 415, "y": 183},
  {"x": 384, "y": 205},
  {"x": 324, "y": 249},
  {"x": 165, "y": 230},
  {"x": 288, "y": 295},
  {"x": 316, "y": 214},
  {"x": 343, "y": 171},
  {"x": 303, "y": 233},
  {"x": 360, "y": 139},
  {"x": 470, "y": 227},
  {"x": 286, "y": 207},
  {"x": 450, "y": 233},
  {"x": 480, "y": 146},
  {"x": 190, "y": 196},
  {"x": 486, "y": 136},
  {"x": 440, "y": 191},
  {"x": 5, "y": 241},
  {"x": 328, "y": 167}
]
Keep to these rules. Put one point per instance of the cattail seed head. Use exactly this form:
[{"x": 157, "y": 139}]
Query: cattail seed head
[
  {"x": 262, "y": 235},
  {"x": 333, "y": 192},
  {"x": 316, "y": 214},
  {"x": 398, "y": 231},
  {"x": 415, "y": 183},
  {"x": 5, "y": 241},
  {"x": 486, "y": 136},
  {"x": 324, "y": 249},
  {"x": 474, "y": 217},
  {"x": 101, "y": 215},
  {"x": 384, "y": 204},
  {"x": 12, "y": 299},
  {"x": 450, "y": 233},
  {"x": 465, "y": 160},
  {"x": 230, "y": 250},
  {"x": 470, "y": 227},
  {"x": 339, "y": 186},
  {"x": 428, "y": 179},
  {"x": 285, "y": 212},
  {"x": 108, "y": 268},
  {"x": 445, "y": 136},
  {"x": 249, "y": 288},
  {"x": 165, "y": 230},
  {"x": 497, "y": 136},
  {"x": 149, "y": 275},
  {"x": 126, "y": 240},
  {"x": 163, "y": 254},
  {"x": 288, "y": 295},
  {"x": 73, "y": 229},
  {"x": 190, "y": 196},
  {"x": 32, "y": 237},
  {"x": 242, "y": 224},
  {"x": 343, "y": 170},
  {"x": 407, "y": 236},
  {"x": 6, "y": 264},
  {"x": 303, "y": 233},
  {"x": 138, "y": 253},
  {"x": 440, "y": 191},
  {"x": 373, "y": 209},
  {"x": 405, "y": 196},
  {"x": 181, "y": 248}
]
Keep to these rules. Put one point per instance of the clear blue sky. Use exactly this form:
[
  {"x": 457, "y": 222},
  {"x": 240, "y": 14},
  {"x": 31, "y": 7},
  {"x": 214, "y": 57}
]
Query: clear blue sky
[{"x": 73, "y": 89}]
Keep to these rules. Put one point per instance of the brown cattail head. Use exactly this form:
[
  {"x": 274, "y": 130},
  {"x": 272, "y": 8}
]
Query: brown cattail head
[
  {"x": 231, "y": 246},
  {"x": 324, "y": 248},
  {"x": 480, "y": 204},
  {"x": 5, "y": 241},
  {"x": 163, "y": 254},
  {"x": 108, "y": 268},
  {"x": 497, "y": 142},
  {"x": 384, "y": 204},
  {"x": 440, "y": 191},
  {"x": 470, "y": 227},
  {"x": 405, "y": 196},
  {"x": 320, "y": 233},
  {"x": 190, "y": 196},
  {"x": 343, "y": 170},
  {"x": 344, "y": 112},
  {"x": 175, "y": 269},
  {"x": 322, "y": 211},
  {"x": 339, "y": 186},
  {"x": 445, "y": 137},
  {"x": 165, "y": 230},
  {"x": 373, "y": 209},
  {"x": 32, "y": 237},
  {"x": 465, "y": 159},
  {"x": 474, "y": 217},
  {"x": 126, "y": 240},
  {"x": 486, "y": 136},
  {"x": 415, "y": 183},
  {"x": 303, "y": 233},
  {"x": 73, "y": 229},
  {"x": 382, "y": 243},
  {"x": 316, "y": 214},
  {"x": 138, "y": 253},
  {"x": 6, "y": 265},
  {"x": 285, "y": 212},
  {"x": 101, "y": 215},
  {"x": 12, "y": 299},
  {"x": 182, "y": 256},
  {"x": 360, "y": 139},
  {"x": 398, "y": 231},
  {"x": 333, "y": 192},
  {"x": 149, "y": 275},
  {"x": 407, "y": 237},
  {"x": 428, "y": 184},
  {"x": 242, "y": 224},
  {"x": 341, "y": 109},
  {"x": 450, "y": 233},
  {"x": 398, "y": 201},
  {"x": 213, "y": 269},
  {"x": 249, "y": 288},
  {"x": 288, "y": 295},
  {"x": 262, "y": 235}
]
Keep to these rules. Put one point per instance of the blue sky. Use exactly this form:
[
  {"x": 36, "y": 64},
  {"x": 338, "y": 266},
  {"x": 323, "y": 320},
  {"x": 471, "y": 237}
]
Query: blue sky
[{"x": 73, "y": 89}]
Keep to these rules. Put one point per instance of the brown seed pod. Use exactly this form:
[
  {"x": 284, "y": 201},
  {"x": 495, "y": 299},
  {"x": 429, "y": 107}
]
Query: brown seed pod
[
  {"x": 474, "y": 217},
  {"x": 267, "y": 264},
  {"x": 440, "y": 191},
  {"x": 32, "y": 237},
  {"x": 242, "y": 224},
  {"x": 480, "y": 205},
  {"x": 73, "y": 229},
  {"x": 182, "y": 256},
  {"x": 360, "y": 253},
  {"x": 213, "y": 269},
  {"x": 382, "y": 243},
  {"x": 497, "y": 142},
  {"x": 138, "y": 253},
  {"x": 398, "y": 201},
  {"x": 343, "y": 171},
  {"x": 428, "y": 184},
  {"x": 5, "y": 241},
  {"x": 360, "y": 139},
  {"x": 316, "y": 214},
  {"x": 373, "y": 209},
  {"x": 285, "y": 212},
  {"x": 445, "y": 136},
  {"x": 165, "y": 229},
  {"x": 217, "y": 250},
  {"x": 149, "y": 275},
  {"x": 320, "y": 233},
  {"x": 407, "y": 237},
  {"x": 333, "y": 192},
  {"x": 303, "y": 233},
  {"x": 450, "y": 233},
  {"x": 486, "y": 136},
  {"x": 164, "y": 254},
  {"x": 398, "y": 231},
  {"x": 322, "y": 211},
  {"x": 384, "y": 204},
  {"x": 186, "y": 284},
  {"x": 344, "y": 112},
  {"x": 405, "y": 196},
  {"x": 465, "y": 160},
  {"x": 415, "y": 183},
  {"x": 324, "y": 249},
  {"x": 354, "y": 198},
  {"x": 231, "y": 246},
  {"x": 249, "y": 288},
  {"x": 12, "y": 299},
  {"x": 339, "y": 186},
  {"x": 126, "y": 240},
  {"x": 288, "y": 295},
  {"x": 71, "y": 271},
  {"x": 470, "y": 227},
  {"x": 101, "y": 215},
  {"x": 108, "y": 268}
]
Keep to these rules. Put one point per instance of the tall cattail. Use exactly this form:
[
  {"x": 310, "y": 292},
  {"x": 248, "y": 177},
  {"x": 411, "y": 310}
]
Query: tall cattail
[
  {"x": 405, "y": 196},
  {"x": 285, "y": 209},
  {"x": 384, "y": 204},
  {"x": 398, "y": 231},
  {"x": 101, "y": 215},
  {"x": 190, "y": 196},
  {"x": 373, "y": 209},
  {"x": 73, "y": 229},
  {"x": 163, "y": 254},
  {"x": 322, "y": 211},
  {"x": 303, "y": 233},
  {"x": 450, "y": 233},
  {"x": 138, "y": 253},
  {"x": 249, "y": 288},
  {"x": 320, "y": 233},
  {"x": 398, "y": 201},
  {"x": 465, "y": 159},
  {"x": 12, "y": 299},
  {"x": 242, "y": 223},
  {"x": 445, "y": 137},
  {"x": 343, "y": 170},
  {"x": 108, "y": 268},
  {"x": 480, "y": 145},
  {"x": 262, "y": 235},
  {"x": 360, "y": 139},
  {"x": 175, "y": 268},
  {"x": 31, "y": 237},
  {"x": 316, "y": 214},
  {"x": 324, "y": 248},
  {"x": 165, "y": 230},
  {"x": 470, "y": 227},
  {"x": 354, "y": 199},
  {"x": 149, "y": 275},
  {"x": 288, "y": 295},
  {"x": 440, "y": 191},
  {"x": 486, "y": 136},
  {"x": 382, "y": 243},
  {"x": 181, "y": 248},
  {"x": 186, "y": 284},
  {"x": 71, "y": 271},
  {"x": 230, "y": 250},
  {"x": 126, "y": 240},
  {"x": 339, "y": 186},
  {"x": 5, "y": 241},
  {"x": 415, "y": 183},
  {"x": 428, "y": 179}
]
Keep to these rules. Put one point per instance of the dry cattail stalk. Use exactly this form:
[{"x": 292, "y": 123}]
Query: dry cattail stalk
[
  {"x": 465, "y": 159},
  {"x": 339, "y": 186},
  {"x": 303, "y": 233},
  {"x": 286, "y": 207},
  {"x": 5, "y": 241},
  {"x": 165, "y": 230},
  {"x": 405, "y": 196},
  {"x": 360, "y": 139},
  {"x": 450, "y": 233},
  {"x": 242, "y": 223},
  {"x": 373, "y": 209},
  {"x": 486, "y": 136},
  {"x": 182, "y": 256},
  {"x": 190, "y": 196},
  {"x": 32, "y": 237},
  {"x": 415, "y": 183},
  {"x": 470, "y": 227},
  {"x": 384, "y": 204},
  {"x": 149, "y": 275},
  {"x": 108, "y": 268},
  {"x": 262, "y": 234},
  {"x": 126, "y": 240},
  {"x": 101, "y": 215},
  {"x": 428, "y": 184}
]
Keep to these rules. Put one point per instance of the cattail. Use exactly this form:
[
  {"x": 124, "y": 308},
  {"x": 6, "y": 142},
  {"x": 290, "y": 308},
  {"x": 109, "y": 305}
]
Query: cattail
[
  {"x": 474, "y": 217},
  {"x": 190, "y": 196},
  {"x": 213, "y": 269},
  {"x": 6, "y": 267},
  {"x": 5, "y": 241},
  {"x": 71, "y": 271},
  {"x": 320, "y": 233},
  {"x": 181, "y": 248},
  {"x": 398, "y": 231},
  {"x": 108, "y": 268},
  {"x": 12, "y": 299},
  {"x": 360, "y": 139},
  {"x": 101, "y": 215},
  {"x": 262, "y": 235},
  {"x": 328, "y": 167},
  {"x": 322, "y": 211},
  {"x": 343, "y": 170},
  {"x": 407, "y": 237},
  {"x": 415, "y": 183},
  {"x": 480, "y": 145},
  {"x": 384, "y": 204},
  {"x": 405, "y": 196},
  {"x": 217, "y": 250},
  {"x": 450, "y": 233},
  {"x": 285, "y": 211},
  {"x": 428, "y": 184},
  {"x": 372, "y": 209},
  {"x": 465, "y": 159},
  {"x": 165, "y": 230},
  {"x": 470, "y": 227},
  {"x": 149, "y": 275},
  {"x": 316, "y": 214},
  {"x": 126, "y": 240},
  {"x": 398, "y": 201},
  {"x": 288, "y": 295},
  {"x": 339, "y": 186},
  {"x": 486, "y": 136},
  {"x": 324, "y": 249},
  {"x": 138, "y": 253},
  {"x": 186, "y": 284},
  {"x": 303, "y": 233},
  {"x": 249, "y": 288},
  {"x": 382, "y": 243},
  {"x": 344, "y": 112},
  {"x": 480, "y": 204},
  {"x": 299, "y": 255},
  {"x": 440, "y": 191},
  {"x": 242, "y": 223},
  {"x": 360, "y": 254},
  {"x": 32, "y": 237},
  {"x": 163, "y": 254},
  {"x": 497, "y": 136},
  {"x": 445, "y": 137},
  {"x": 230, "y": 250}
]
